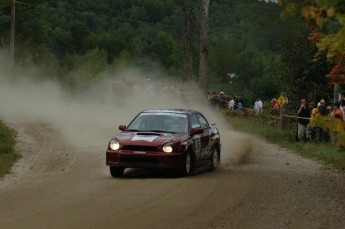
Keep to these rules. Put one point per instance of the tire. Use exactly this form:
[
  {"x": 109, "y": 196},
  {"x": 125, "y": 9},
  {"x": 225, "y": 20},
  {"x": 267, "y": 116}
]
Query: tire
[
  {"x": 189, "y": 165},
  {"x": 116, "y": 171},
  {"x": 215, "y": 158}
]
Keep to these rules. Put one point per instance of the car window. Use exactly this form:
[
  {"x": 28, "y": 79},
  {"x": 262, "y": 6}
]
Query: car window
[
  {"x": 203, "y": 122},
  {"x": 195, "y": 122},
  {"x": 141, "y": 122},
  {"x": 176, "y": 124}
]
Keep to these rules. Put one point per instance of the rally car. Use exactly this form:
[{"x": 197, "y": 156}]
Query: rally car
[{"x": 177, "y": 139}]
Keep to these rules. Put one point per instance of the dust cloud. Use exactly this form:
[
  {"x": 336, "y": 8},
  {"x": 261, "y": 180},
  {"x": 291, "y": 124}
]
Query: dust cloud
[{"x": 90, "y": 119}]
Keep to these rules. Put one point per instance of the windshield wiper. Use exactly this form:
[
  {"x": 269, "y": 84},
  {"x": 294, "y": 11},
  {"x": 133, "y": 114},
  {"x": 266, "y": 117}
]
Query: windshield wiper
[{"x": 134, "y": 130}]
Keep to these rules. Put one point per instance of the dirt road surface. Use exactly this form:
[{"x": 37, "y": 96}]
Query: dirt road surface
[{"x": 59, "y": 185}]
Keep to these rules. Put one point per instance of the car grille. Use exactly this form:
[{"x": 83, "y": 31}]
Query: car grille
[
  {"x": 127, "y": 158},
  {"x": 140, "y": 148}
]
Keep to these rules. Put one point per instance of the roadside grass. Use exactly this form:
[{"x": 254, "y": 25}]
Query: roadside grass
[
  {"x": 8, "y": 156},
  {"x": 267, "y": 127}
]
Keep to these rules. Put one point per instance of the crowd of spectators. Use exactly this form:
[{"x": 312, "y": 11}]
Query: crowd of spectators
[
  {"x": 318, "y": 122},
  {"x": 233, "y": 105},
  {"x": 315, "y": 121}
]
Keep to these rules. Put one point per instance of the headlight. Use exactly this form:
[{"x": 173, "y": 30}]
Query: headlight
[
  {"x": 114, "y": 145},
  {"x": 167, "y": 149}
]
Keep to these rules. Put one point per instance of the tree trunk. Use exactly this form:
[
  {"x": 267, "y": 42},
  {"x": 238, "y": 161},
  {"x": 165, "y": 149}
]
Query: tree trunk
[
  {"x": 1, "y": 41},
  {"x": 13, "y": 24},
  {"x": 187, "y": 40},
  {"x": 203, "y": 81}
]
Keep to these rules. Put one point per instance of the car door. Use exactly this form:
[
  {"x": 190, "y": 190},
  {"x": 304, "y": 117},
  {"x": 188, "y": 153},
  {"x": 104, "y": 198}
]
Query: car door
[
  {"x": 205, "y": 137},
  {"x": 201, "y": 141},
  {"x": 196, "y": 137}
]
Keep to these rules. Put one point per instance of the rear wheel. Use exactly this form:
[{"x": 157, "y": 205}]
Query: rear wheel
[
  {"x": 116, "y": 171},
  {"x": 215, "y": 158}
]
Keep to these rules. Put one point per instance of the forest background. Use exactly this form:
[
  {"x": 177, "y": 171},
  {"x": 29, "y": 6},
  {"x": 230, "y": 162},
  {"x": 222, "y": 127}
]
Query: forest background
[{"x": 252, "y": 49}]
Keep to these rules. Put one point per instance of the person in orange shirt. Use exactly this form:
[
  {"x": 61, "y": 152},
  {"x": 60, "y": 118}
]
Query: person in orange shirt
[
  {"x": 338, "y": 114},
  {"x": 275, "y": 107}
]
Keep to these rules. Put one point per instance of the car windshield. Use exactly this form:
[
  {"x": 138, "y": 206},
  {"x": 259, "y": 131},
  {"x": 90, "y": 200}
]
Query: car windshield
[{"x": 160, "y": 122}]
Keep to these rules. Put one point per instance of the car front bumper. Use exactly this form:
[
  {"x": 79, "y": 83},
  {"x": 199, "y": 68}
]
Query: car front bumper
[{"x": 155, "y": 160}]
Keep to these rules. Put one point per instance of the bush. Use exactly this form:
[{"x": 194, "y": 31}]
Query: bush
[{"x": 7, "y": 152}]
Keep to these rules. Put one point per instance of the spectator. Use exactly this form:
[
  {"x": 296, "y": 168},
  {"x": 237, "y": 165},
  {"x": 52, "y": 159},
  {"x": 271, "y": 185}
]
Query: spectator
[
  {"x": 314, "y": 129},
  {"x": 258, "y": 106},
  {"x": 275, "y": 107},
  {"x": 231, "y": 104},
  {"x": 324, "y": 112},
  {"x": 222, "y": 101},
  {"x": 342, "y": 108},
  {"x": 239, "y": 107},
  {"x": 214, "y": 100},
  {"x": 303, "y": 113},
  {"x": 209, "y": 97},
  {"x": 242, "y": 99},
  {"x": 337, "y": 114}
]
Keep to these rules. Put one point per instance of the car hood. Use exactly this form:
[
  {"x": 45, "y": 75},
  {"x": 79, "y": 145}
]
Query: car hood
[{"x": 148, "y": 138}]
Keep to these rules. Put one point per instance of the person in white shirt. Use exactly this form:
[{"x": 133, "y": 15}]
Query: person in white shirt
[
  {"x": 231, "y": 104},
  {"x": 258, "y": 106}
]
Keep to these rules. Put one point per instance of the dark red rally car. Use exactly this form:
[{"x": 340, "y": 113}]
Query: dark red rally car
[{"x": 165, "y": 139}]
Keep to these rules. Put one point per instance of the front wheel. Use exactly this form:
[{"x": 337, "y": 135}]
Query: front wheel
[
  {"x": 215, "y": 158},
  {"x": 116, "y": 171},
  {"x": 189, "y": 165}
]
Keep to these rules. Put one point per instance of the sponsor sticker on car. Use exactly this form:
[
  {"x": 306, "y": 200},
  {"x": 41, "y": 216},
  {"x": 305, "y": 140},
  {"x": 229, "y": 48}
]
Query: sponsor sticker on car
[{"x": 144, "y": 138}]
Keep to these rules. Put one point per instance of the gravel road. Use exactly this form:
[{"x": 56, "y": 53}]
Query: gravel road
[{"x": 259, "y": 185}]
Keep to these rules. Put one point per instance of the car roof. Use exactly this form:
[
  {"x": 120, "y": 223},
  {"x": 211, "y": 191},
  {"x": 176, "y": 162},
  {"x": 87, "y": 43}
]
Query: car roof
[{"x": 180, "y": 111}]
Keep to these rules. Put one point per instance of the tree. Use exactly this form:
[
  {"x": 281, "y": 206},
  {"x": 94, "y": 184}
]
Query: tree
[
  {"x": 203, "y": 81},
  {"x": 320, "y": 14},
  {"x": 167, "y": 50},
  {"x": 188, "y": 32},
  {"x": 303, "y": 77}
]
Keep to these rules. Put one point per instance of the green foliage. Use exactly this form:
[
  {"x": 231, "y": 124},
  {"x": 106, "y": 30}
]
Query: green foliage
[
  {"x": 7, "y": 153},
  {"x": 84, "y": 70},
  {"x": 319, "y": 14},
  {"x": 302, "y": 77},
  {"x": 222, "y": 61},
  {"x": 243, "y": 41},
  {"x": 245, "y": 44},
  {"x": 167, "y": 50}
]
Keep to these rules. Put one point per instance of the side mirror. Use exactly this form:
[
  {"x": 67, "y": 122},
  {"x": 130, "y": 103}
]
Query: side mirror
[
  {"x": 122, "y": 127},
  {"x": 197, "y": 131}
]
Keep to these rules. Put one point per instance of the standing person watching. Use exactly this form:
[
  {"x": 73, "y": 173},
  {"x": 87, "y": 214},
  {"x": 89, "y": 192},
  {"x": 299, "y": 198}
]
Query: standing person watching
[
  {"x": 214, "y": 100},
  {"x": 258, "y": 106},
  {"x": 303, "y": 113},
  {"x": 337, "y": 114},
  {"x": 323, "y": 135},
  {"x": 314, "y": 129},
  {"x": 231, "y": 105}
]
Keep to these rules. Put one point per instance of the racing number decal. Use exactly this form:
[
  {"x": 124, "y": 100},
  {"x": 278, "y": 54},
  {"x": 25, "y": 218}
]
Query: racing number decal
[{"x": 197, "y": 145}]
